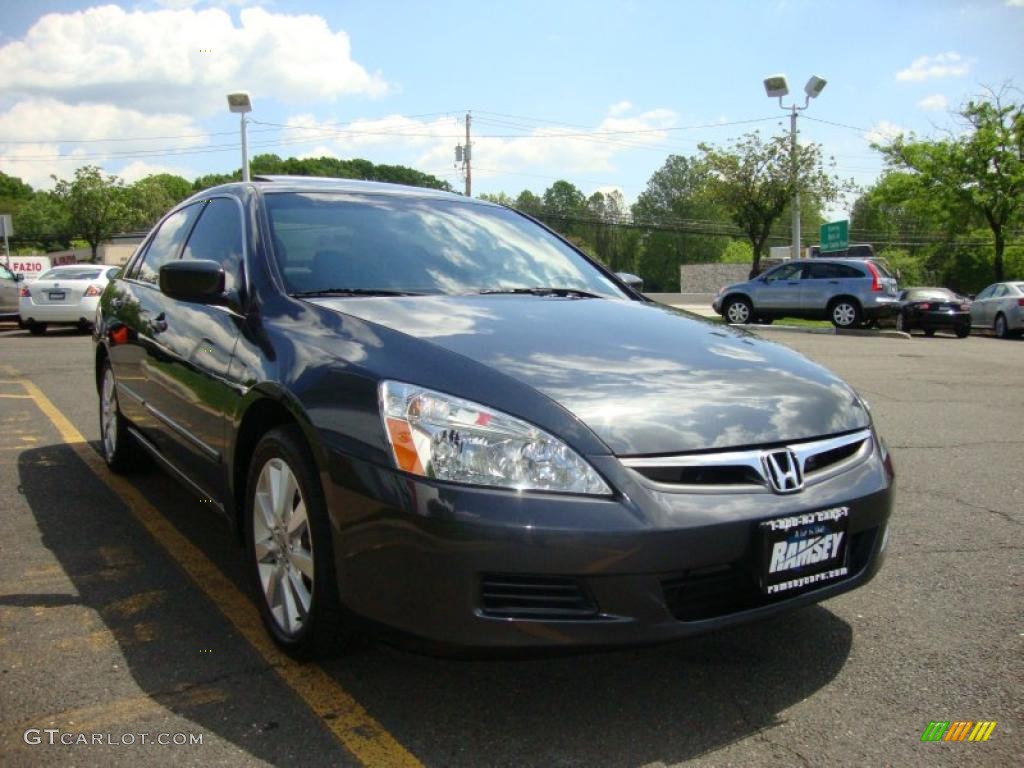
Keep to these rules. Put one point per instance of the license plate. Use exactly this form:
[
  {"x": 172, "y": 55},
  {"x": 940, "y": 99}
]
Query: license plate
[
  {"x": 57, "y": 295},
  {"x": 804, "y": 550}
]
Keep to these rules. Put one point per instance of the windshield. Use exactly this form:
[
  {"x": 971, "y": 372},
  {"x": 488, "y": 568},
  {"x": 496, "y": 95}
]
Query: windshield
[
  {"x": 366, "y": 244},
  {"x": 70, "y": 274}
]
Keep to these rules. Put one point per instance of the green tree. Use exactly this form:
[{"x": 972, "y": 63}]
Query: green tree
[
  {"x": 44, "y": 222},
  {"x": 754, "y": 181},
  {"x": 500, "y": 198},
  {"x": 97, "y": 205},
  {"x": 151, "y": 197},
  {"x": 981, "y": 168},
  {"x": 527, "y": 202}
]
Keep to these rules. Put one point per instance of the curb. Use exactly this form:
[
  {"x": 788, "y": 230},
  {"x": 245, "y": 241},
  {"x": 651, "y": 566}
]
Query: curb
[{"x": 885, "y": 334}]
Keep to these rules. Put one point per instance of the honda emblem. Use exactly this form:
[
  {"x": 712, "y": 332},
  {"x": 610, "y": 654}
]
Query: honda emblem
[{"x": 783, "y": 471}]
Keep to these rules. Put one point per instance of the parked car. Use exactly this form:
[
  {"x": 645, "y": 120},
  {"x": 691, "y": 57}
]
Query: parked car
[
  {"x": 933, "y": 309},
  {"x": 8, "y": 294},
  {"x": 65, "y": 295},
  {"x": 848, "y": 292},
  {"x": 1000, "y": 307},
  {"x": 439, "y": 414}
]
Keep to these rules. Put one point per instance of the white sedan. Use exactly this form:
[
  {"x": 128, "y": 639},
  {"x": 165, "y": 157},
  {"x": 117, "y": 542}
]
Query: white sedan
[{"x": 65, "y": 295}]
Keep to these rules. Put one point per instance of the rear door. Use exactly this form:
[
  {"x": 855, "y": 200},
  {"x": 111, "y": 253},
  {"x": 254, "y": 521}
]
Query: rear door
[{"x": 820, "y": 284}]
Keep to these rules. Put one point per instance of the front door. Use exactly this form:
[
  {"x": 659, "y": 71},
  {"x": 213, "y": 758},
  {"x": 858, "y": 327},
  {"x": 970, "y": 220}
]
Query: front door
[{"x": 779, "y": 289}]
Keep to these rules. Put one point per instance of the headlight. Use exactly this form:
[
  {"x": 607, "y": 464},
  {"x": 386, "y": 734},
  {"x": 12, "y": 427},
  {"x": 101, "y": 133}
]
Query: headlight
[{"x": 444, "y": 437}]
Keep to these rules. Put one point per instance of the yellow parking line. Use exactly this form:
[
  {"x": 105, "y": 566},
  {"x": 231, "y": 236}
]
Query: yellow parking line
[
  {"x": 15, "y": 397},
  {"x": 341, "y": 714}
]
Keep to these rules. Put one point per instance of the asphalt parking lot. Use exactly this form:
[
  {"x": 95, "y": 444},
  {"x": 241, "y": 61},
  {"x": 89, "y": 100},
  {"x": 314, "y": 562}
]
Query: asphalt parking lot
[{"x": 123, "y": 612}]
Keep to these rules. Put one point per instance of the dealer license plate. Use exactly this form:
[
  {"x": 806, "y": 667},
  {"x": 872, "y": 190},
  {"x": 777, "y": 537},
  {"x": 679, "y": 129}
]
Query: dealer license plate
[
  {"x": 804, "y": 550},
  {"x": 57, "y": 295}
]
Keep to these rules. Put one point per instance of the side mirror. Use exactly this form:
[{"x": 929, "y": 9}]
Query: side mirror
[
  {"x": 18, "y": 277},
  {"x": 634, "y": 282},
  {"x": 198, "y": 281}
]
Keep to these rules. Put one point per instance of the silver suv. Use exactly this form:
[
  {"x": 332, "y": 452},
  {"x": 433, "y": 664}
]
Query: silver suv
[{"x": 849, "y": 292}]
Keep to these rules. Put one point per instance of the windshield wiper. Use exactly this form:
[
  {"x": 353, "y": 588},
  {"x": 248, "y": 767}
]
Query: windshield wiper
[
  {"x": 541, "y": 291},
  {"x": 352, "y": 292}
]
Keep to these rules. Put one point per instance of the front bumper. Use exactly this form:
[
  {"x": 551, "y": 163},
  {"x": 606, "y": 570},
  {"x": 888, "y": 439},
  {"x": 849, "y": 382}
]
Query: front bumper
[
  {"x": 82, "y": 311},
  {"x": 427, "y": 558}
]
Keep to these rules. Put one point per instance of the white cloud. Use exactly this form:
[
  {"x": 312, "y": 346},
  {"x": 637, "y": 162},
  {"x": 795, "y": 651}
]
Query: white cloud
[
  {"x": 140, "y": 169},
  {"x": 158, "y": 60},
  {"x": 1015, "y": 3},
  {"x": 949, "y": 64},
  {"x": 883, "y": 132},
  {"x": 32, "y": 130},
  {"x": 550, "y": 148},
  {"x": 620, "y": 107},
  {"x": 934, "y": 103}
]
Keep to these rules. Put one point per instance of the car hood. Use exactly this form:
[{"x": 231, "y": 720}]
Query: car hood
[{"x": 646, "y": 378}]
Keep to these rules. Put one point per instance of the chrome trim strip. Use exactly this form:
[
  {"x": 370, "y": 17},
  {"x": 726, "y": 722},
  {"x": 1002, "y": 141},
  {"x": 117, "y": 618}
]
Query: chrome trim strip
[
  {"x": 155, "y": 453},
  {"x": 210, "y": 452},
  {"x": 751, "y": 458}
]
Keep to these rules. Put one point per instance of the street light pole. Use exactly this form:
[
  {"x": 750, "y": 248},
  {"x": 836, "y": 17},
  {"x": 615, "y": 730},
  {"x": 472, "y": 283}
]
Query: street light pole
[
  {"x": 241, "y": 103},
  {"x": 776, "y": 86}
]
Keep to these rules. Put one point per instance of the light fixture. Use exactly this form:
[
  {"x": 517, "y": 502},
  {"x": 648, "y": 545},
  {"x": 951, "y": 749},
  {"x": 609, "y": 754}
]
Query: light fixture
[
  {"x": 776, "y": 86},
  {"x": 815, "y": 85},
  {"x": 239, "y": 102}
]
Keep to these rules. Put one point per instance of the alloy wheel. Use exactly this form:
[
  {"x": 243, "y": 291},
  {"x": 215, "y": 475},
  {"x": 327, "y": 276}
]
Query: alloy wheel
[
  {"x": 738, "y": 312},
  {"x": 844, "y": 314},
  {"x": 283, "y": 545},
  {"x": 108, "y": 414}
]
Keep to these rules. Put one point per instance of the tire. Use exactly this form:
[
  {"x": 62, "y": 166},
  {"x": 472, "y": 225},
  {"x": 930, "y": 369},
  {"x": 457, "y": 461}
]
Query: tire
[
  {"x": 738, "y": 312},
  {"x": 289, "y": 548},
  {"x": 37, "y": 329},
  {"x": 963, "y": 331},
  {"x": 929, "y": 332},
  {"x": 902, "y": 323},
  {"x": 120, "y": 450},
  {"x": 844, "y": 313},
  {"x": 1001, "y": 329}
]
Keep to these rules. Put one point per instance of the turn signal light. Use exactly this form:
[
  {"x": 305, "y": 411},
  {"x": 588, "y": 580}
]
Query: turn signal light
[
  {"x": 92, "y": 290},
  {"x": 23, "y": 293},
  {"x": 1020, "y": 302}
]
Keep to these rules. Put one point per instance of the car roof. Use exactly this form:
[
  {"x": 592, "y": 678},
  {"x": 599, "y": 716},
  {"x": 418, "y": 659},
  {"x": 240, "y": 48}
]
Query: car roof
[{"x": 275, "y": 183}]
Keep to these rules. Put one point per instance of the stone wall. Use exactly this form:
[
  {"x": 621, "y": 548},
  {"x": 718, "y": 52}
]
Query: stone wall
[{"x": 708, "y": 278}]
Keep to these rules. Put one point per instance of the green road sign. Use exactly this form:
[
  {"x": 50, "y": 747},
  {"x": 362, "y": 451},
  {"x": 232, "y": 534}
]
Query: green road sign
[{"x": 835, "y": 236}]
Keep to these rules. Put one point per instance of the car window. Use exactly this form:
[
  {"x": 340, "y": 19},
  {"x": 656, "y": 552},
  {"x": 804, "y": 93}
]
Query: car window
[
  {"x": 821, "y": 271},
  {"x": 1019, "y": 287},
  {"x": 166, "y": 244},
  {"x": 926, "y": 294},
  {"x": 848, "y": 270},
  {"x": 999, "y": 292},
  {"x": 785, "y": 272},
  {"x": 882, "y": 267},
  {"x": 217, "y": 236},
  {"x": 326, "y": 241},
  {"x": 112, "y": 274},
  {"x": 985, "y": 294},
  {"x": 65, "y": 273}
]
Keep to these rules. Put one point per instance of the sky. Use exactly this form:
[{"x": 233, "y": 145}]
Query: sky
[{"x": 596, "y": 92}]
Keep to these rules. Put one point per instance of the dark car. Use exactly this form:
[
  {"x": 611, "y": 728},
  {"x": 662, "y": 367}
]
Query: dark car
[
  {"x": 934, "y": 309},
  {"x": 435, "y": 414}
]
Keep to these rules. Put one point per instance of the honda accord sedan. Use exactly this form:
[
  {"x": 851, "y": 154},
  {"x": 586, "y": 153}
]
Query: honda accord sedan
[{"x": 433, "y": 414}]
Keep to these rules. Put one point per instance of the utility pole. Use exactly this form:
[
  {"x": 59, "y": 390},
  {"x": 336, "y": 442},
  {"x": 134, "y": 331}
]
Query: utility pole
[
  {"x": 467, "y": 154},
  {"x": 796, "y": 180}
]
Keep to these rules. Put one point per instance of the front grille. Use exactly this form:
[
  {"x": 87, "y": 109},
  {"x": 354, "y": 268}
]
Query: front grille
[
  {"x": 744, "y": 470},
  {"x": 707, "y": 593},
  {"x": 535, "y": 597}
]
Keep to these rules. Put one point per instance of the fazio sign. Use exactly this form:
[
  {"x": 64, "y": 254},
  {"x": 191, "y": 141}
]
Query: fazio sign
[{"x": 835, "y": 236}]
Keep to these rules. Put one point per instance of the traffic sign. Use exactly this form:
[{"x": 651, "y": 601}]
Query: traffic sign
[{"x": 835, "y": 236}]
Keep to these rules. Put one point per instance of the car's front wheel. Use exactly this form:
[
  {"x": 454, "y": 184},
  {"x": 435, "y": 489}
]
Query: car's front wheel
[
  {"x": 289, "y": 546},
  {"x": 738, "y": 311},
  {"x": 845, "y": 314},
  {"x": 37, "y": 329},
  {"x": 963, "y": 331}
]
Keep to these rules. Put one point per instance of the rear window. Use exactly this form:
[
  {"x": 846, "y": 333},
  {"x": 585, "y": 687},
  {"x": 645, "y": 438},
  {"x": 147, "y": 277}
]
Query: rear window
[
  {"x": 1018, "y": 286},
  {"x": 70, "y": 274},
  {"x": 925, "y": 294}
]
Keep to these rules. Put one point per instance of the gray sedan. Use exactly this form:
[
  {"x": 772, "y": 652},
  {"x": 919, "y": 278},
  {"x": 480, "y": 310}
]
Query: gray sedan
[{"x": 1000, "y": 307}]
